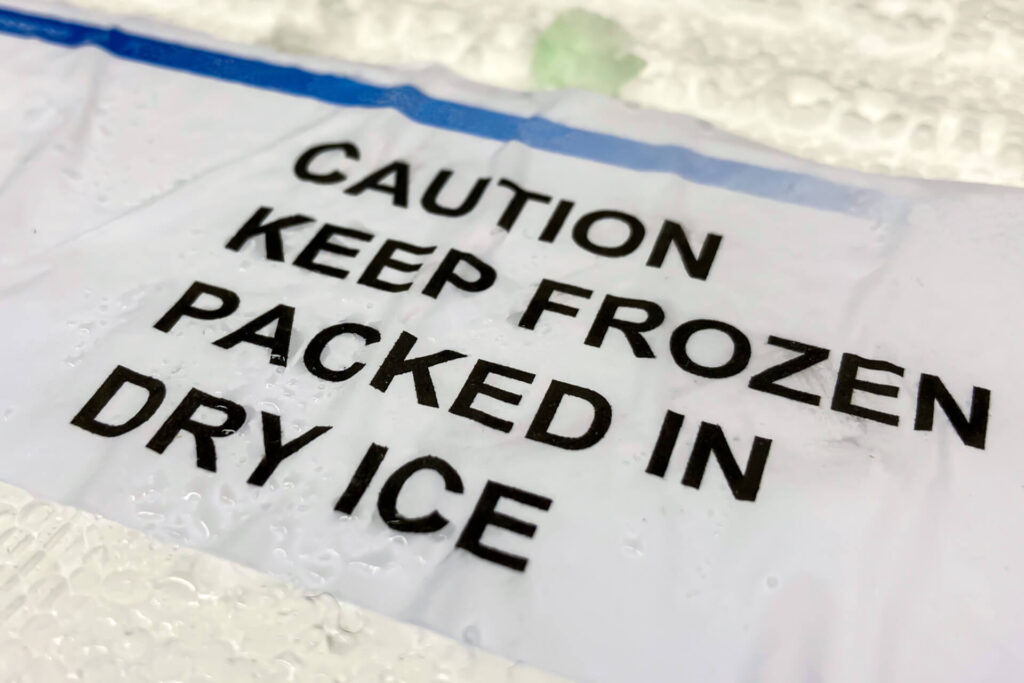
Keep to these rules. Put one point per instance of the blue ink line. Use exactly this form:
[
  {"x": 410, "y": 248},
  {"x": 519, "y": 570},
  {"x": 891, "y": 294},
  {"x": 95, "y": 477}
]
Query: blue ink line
[{"x": 535, "y": 132}]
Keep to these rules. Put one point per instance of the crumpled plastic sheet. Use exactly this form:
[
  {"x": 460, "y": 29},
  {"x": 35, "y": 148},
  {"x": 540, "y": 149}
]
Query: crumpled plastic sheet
[{"x": 920, "y": 87}]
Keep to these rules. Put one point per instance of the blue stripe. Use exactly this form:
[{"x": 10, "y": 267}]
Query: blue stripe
[{"x": 535, "y": 132}]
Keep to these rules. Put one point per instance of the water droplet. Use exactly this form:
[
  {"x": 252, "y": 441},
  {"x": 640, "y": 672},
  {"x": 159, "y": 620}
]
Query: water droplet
[{"x": 471, "y": 635}]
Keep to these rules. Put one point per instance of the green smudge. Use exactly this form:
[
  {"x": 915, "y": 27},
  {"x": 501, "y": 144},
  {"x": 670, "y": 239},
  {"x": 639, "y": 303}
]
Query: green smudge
[{"x": 584, "y": 50}]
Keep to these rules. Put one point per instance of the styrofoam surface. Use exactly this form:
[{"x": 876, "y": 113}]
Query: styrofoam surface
[{"x": 917, "y": 87}]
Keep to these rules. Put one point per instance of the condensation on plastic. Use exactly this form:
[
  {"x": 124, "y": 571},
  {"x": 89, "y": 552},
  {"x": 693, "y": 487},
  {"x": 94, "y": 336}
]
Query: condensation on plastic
[{"x": 918, "y": 87}]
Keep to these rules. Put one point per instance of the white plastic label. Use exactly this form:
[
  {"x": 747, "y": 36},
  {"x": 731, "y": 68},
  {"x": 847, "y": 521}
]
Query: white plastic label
[{"x": 594, "y": 388}]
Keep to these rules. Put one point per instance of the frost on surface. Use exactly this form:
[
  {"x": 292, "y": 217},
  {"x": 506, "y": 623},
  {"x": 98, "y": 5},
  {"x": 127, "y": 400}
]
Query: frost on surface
[
  {"x": 916, "y": 87},
  {"x": 85, "y": 599}
]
